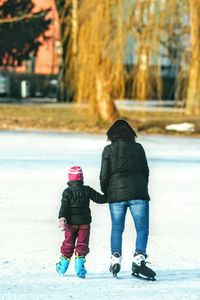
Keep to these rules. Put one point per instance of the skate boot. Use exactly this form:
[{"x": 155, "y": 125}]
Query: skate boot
[
  {"x": 140, "y": 269},
  {"x": 80, "y": 267},
  {"x": 115, "y": 265},
  {"x": 62, "y": 265}
]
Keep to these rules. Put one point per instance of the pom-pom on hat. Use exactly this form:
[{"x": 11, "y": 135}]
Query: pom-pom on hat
[{"x": 75, "y": 173}]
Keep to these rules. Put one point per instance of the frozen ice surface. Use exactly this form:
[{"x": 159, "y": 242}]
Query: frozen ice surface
[{"x": 33, "y": 174}]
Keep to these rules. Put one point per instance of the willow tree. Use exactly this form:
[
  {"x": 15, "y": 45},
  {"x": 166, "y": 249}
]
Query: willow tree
[
  {"x": 193, "y": 89},
  {"x": 173, "y": 38},
  {"x": 101, "y": 56},
  {"x": 92, "y": 42},
  {"x": 187, "y": 26},
  {"x": 144, "y": 22},
  {"x": 160, "y": 32},
  {"x": 182, "y": 23},
  {"x": 68, "y": 19}
]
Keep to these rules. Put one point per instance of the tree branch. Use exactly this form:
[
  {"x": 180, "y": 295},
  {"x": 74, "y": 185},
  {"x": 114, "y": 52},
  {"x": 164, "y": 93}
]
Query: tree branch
[{"x": 23, "y": 17}]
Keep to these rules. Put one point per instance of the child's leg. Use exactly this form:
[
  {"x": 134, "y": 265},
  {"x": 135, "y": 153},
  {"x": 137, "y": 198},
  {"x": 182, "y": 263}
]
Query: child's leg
[
  {"x": 82, "y": 244},
  {"x": 68, "y": 245},
  {"x": 67, "y": 249},
  {"x": 82, "y": 249}
]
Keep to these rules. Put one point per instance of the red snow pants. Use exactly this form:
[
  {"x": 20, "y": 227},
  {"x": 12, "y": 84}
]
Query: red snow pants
[{"x": 76, "y": 240}]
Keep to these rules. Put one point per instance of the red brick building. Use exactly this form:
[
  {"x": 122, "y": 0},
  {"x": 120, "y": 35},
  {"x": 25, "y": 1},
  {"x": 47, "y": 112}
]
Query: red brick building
[{"x": 47, "y": 60}]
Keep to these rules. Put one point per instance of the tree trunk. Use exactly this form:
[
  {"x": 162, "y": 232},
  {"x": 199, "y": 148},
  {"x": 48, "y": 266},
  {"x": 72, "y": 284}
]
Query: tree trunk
[
  {"x": 105, "y": 104},
  {"x": 142, "y": 76},
  {"x": 193, "y": 89},
  {"x": 97, "y": 74},
  {"x": 75, "y": 35},
  {"x": 68, "y": 18}
]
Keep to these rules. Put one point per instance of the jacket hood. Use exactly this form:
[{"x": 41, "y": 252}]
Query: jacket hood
[
  {"x": 121, "y": 129},
  {"x": 74, "y": 184}
]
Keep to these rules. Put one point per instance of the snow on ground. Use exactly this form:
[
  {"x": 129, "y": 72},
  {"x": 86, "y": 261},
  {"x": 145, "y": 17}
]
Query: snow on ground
[{"x": 33, "y": 174}]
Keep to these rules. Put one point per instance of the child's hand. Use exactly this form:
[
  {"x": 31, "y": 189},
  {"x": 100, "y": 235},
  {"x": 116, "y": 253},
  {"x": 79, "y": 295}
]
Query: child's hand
[{"x": 62, "y": 224}]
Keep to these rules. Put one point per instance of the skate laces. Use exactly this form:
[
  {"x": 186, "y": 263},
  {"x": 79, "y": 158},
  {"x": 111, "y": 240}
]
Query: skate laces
[
  {"x": 116, "y": 258},
  {"x": 80, "y": 257},
  {"x": 80, "y": 261},
  {"x": 80, "y": 267},
  {"x": 64, "y": 259},
  {"x": 139, "y": 259}
]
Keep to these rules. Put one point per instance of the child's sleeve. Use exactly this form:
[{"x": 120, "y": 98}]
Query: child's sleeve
[
  {"x": 97, "y": 197},
  {"x": 65, "y": 207}
]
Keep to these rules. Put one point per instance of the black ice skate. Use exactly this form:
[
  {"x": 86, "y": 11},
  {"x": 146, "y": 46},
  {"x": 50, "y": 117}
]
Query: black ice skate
[
  {"x": 115, "y": 265},
  {"x": 140, "y": 269}
]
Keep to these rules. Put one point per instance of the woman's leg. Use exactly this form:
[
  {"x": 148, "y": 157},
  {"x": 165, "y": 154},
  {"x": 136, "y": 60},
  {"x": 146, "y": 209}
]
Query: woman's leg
[
  {"x": 117, "y": 213},
  {"x": 140, "y": 213}
]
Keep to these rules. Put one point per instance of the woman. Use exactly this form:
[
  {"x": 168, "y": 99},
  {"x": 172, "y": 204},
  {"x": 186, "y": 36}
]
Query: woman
[{"x": 124, "y": 179}]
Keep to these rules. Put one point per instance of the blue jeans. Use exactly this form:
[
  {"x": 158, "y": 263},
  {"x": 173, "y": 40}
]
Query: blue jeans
[{"x": 140, "y": 213}]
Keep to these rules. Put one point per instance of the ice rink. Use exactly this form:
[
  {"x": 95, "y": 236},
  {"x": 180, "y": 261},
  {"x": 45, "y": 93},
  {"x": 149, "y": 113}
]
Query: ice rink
[{"x": 33, "y": 175}]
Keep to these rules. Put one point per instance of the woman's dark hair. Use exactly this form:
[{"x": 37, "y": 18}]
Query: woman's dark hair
[{"x": 121, "y": 129}]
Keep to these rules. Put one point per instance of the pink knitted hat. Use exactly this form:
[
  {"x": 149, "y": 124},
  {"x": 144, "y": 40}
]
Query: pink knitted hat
[{"x": 75, "y": 173}]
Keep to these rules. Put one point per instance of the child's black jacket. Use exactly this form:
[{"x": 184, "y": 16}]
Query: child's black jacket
[{"x": 76, "y": 201}]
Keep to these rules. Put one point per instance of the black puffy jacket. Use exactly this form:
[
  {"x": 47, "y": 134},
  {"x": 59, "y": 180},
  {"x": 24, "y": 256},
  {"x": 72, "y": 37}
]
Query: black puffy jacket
[
  {"x": 75, "y": 203},
  {"x": 124, "y": 171}
]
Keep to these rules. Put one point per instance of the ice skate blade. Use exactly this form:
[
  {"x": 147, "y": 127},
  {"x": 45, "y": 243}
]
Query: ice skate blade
[
  {"x": 80, "y": 276},
  {"x": 143, "y": 278},
  {"x": 115, "y": 269},
  {"x": 114, "y": 275},
  {"x": 61, "y": 274}
]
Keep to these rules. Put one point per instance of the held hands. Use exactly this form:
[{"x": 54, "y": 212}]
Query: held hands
[{"x": 62, "y": 224}]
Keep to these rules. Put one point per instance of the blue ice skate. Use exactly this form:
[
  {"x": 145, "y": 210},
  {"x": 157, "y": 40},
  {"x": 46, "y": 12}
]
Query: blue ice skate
[
  {"x": 80, "y": 267},
  {"x": 62, "y": 265}
]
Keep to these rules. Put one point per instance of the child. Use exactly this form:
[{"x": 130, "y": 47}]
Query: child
[{"x": 75, "y": 219}]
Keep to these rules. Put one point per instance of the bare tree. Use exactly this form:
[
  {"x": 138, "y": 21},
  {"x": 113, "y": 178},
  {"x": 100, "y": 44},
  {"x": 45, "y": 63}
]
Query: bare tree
[
  {"x": 193, "y": 89},
  {"x": 147, "y": 81}
]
